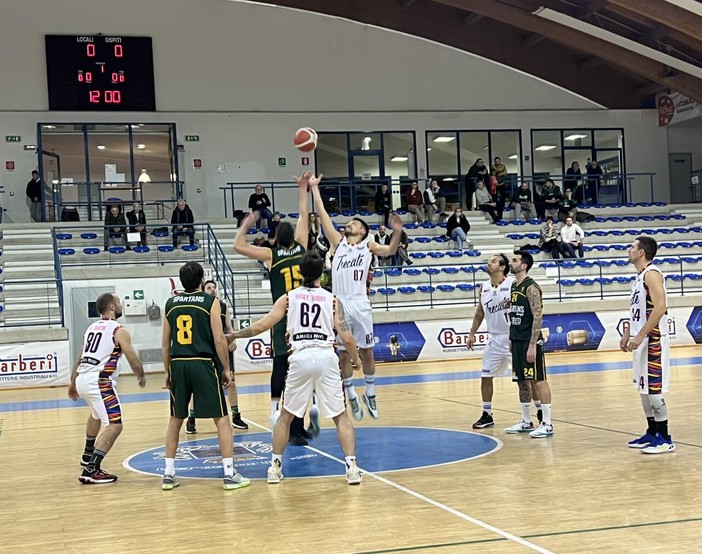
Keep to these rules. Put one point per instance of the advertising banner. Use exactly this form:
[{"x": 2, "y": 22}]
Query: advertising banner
[
  {"x": 34, "y": 364},
  {"x": 675, "y": 107}
]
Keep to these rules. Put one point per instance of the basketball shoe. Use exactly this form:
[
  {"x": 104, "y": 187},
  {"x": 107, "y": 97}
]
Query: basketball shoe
[
  {"x": 370, "y": 403},
  {"x": 169, "y": 482},
  {"x": 659, "y": 445},
  {"x": 96, "y": 477},
  {"x": 484, "y": 421},
  {"x": 520, "y": 427},
  {"x": 356, "y": 409},
  {"x": 236, "y": 481},
  {"x": 275, "y": 473},
  {"x": 642, "y": 442}
]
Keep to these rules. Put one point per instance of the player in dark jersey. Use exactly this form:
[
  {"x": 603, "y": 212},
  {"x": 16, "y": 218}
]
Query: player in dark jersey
[
  {"x": 192, "y": 337},
  {"x": 528, "y": 361},
  {"x": 283, "y": 264}
]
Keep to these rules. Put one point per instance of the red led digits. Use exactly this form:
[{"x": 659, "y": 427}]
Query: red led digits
[
  {"x": 91, "y": 50},
  {"x": 95, "y": 96}
]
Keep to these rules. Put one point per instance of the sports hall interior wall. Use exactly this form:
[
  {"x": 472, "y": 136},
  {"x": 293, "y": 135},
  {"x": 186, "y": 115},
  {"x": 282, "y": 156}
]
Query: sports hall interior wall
[{"x": 245, "y": 76}]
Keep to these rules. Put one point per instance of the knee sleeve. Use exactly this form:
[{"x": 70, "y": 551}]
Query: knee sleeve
[
  {"x": 280, "y": 370},
  {"x": 658, "y": 406},
  {"x": 646, "y": 403}
]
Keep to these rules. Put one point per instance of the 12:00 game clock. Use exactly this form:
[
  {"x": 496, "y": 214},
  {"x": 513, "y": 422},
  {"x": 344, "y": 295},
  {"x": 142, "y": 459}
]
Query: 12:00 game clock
[{"x": 100, "y": 73}]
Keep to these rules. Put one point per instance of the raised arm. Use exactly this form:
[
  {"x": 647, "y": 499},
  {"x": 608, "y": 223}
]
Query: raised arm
[
  {"x": 267, "y": 321},
  {"x": 383, "y": 250},
  {"x": 333, "y": 236},
  {"x": 303, "y": 223},
  {"x": 264, "y": 255},
  {"x": 345, "y": 333},
  {"x": 124, "y": 341}
]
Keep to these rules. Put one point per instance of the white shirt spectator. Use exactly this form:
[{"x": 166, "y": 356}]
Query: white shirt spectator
[{"x": 572, "y": 233}]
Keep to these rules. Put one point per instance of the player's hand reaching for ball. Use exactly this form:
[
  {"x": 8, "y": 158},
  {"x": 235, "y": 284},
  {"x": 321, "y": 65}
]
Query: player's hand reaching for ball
[
  {"x": 395, "y": 222},
  {"x": 314, "y": 181},
  {"x": 304, "y": 179}
]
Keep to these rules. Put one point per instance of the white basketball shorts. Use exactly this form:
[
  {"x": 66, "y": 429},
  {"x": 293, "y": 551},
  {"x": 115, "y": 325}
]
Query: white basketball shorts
[
  {"x": 359, "y": 316},
  {"x": 101, "y": 396},
  {"x": 497, "y": 359},
  {"x": 314, "y": 370},
  {"x": 652, "y": 365}
]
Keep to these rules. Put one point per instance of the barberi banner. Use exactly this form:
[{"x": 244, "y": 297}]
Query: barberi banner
[
  {"x": 34, "y": 364},
  {"x": 675, "y": 107}
]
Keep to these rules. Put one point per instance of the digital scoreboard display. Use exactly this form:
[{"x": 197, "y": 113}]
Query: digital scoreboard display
[{"x": 100, "y": 73}]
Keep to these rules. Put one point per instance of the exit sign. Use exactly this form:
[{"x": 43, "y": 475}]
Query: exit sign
[
  {"x": 282, "y": 162},
  {"x": 192, "y": 138},
  {"x": 13, "y": 138}
]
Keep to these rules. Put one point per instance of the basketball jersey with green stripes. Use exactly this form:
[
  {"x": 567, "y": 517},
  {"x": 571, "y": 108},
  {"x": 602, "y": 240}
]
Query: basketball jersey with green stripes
[
  {"x": 188, "y": 314},
  {"x": 521, "y": 317},
  {"x": 285, "y": 276}
]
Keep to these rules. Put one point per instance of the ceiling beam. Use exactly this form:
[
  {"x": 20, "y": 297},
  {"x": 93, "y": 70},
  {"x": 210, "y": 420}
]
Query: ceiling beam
[
  {"x": 616, "y": 55},
  {"x": 532, "y": 40},
  {"x": 471, "y": 19},
  {"x": 664, "y": 13},
  {"x": 591, "y": 7},
  {"x": 655, "y": 34},
  {"x": 406, "y": 3},
  {"x": 591, "y": 63},
  {"x": 648, "y": 90}
]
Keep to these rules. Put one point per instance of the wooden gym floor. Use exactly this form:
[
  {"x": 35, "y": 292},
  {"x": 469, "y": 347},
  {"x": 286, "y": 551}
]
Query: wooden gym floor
[{"x": 582, "y": 490}]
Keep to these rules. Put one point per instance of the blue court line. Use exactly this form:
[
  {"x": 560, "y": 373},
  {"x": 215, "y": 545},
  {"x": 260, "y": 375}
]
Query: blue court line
[{"x": 390, "y": 380}]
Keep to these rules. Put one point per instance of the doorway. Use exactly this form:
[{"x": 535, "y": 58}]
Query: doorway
[{"x": 680, "y": 173}]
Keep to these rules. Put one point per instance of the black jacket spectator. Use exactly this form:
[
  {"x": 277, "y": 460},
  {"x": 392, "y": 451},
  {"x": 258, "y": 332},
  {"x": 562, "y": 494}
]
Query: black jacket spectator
[
  {"x": 259, "y": 201},
  {"x": 453, "y": 222},
  {"x": 34, "y": 195},
  {"x": 182, "y": 220},
  {"x": 383, "y": 203},
  {"x": 594, "y": 180},
  {"x": 137, "y": 222},
  {"x": 572, "y": 178},
  {"x": 115, "y": 226}
]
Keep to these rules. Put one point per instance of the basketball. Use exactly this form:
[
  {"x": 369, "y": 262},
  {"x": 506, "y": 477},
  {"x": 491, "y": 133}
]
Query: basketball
[{"x": 305, "y": 139}]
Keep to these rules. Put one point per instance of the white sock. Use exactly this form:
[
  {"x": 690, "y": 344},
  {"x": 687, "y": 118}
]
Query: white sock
[
  {"x": 350, "y": 390},
  {"x": 370, "y": 384},
  {"x": 526, "y": 412},
  {"x": 170, "y": 466},
  {"x": 228, "y": 465},
  {"x": 547, "y": 413},
  {"x": 314, "y": 411},
  {"x": 537, "y": 404},
  {"x": 487, "y": 407},
  {"x": 277, "y": 458},
  {"x": 350, "y": 460},
  {"x": 274, "y": 406}
]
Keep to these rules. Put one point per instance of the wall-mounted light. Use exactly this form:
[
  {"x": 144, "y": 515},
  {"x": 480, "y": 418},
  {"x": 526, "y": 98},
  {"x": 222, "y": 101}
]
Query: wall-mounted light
[
  {"x": 399, "y": 159},
  {"x": 545, "y": 147},
  {"x": 144, "y": 177},
  {"x": 141, "y": 146},
  {"x": 575, "y": 137},
  {"x": 101, "y": 147}
]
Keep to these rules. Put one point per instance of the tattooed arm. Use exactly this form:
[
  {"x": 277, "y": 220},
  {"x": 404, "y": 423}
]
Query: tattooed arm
[
  {"x": 345, "y": 334},
  {"x": 267, "y": 321},
  {"x": 533, "y": 295}
]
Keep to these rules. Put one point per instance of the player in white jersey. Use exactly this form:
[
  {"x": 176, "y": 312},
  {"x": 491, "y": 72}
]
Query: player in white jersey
[
  {"x": 312, "y": 315},
  {"x": 353, "y": 253},
  {"x": 494, "y": 308},
  {"x": 647, "y": 337},
  {"x": 93, "y": 379}
]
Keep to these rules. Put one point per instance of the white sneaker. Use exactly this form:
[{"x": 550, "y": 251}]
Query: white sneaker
[
  {"x": 370, "y": 403},
  {"x": 275, "y": 474},
  {"x": 542, "y": 431},
  {"x": 353, "y": 475},
  {"x": 659, "y": 446},
  {"x": 356, "y": 409},
  {"x": 520, "y": 427}
]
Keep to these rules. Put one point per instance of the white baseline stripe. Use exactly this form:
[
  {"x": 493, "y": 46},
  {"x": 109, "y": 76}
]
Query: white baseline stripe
[{"x": 453, "y": 511}]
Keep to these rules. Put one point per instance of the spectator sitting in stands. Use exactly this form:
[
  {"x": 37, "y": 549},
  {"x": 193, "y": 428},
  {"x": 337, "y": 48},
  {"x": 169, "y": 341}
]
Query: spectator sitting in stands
[
  {"x": 550, "y": 240},
  {"x": 569, "y": 207},
  {"x": 572, "y": 237},
  {"x": 434, "y": 201},
  {"x": 382, "y": 237},
  {"x": 182, "y": 220},
  {"x": 259, "y": 202},
  {"x": 476, "y": 171},
  {"x": 137, "y": 222},
  {"x": 485, "y": 201},
  {"x": 383, "y": 203},
  {"x": 272, "y": 225},
  {"x": 572, "y": 180},
  {"x": 457, "y": 228},
  {"x": 415, "y": 203},
  {"x": 401, "y": 254},
  {"x": 522, "y": 204},
  {"x": 115, "y": 227},
  {"x": 551, "y": 195}
]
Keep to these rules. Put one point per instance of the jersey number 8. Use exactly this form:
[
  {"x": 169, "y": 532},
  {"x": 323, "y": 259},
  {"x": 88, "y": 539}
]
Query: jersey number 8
[{"x": 184, "y": 324}]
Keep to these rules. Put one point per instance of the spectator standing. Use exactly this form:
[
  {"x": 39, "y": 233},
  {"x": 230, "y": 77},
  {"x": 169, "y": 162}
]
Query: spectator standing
[
  {"x": 182, "y": 220},
  {"x": 259, "y": 202},
  {"x": 383, "y": 238},
  {"x": 115, "y": 226},
  {"x": 551, "y": 195},
  {"x": 485, "y": 201},
  {"x": 457, "y": 228},
  {"x": 569, "y": 207},
  {"x": 312, "y": 231},
  {"x": 477, "y": 171},
  {"x": 499, "y": 171},
  {"x": 572, "y": 237},
  {"x": 594, "y": 180},
  {"x": 434, "y": 201},
  {"x": 550, "y": 239},
  {"x": 415, "y": 203},
  {"x": 383, "y": 203},
  {"x": 137, "y": 222},
  {"x": 572, "y": 180},
  {"x": 522, "y": 204},
  {"x": 34, "y": 196},
  {"x": 539, "y": 204}
]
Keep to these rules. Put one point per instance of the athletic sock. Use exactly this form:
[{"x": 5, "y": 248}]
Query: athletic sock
[
  {"x": 526, "y": 411},
  {"x": 274, "y": 406},
  {"x": 314, "y": 411},
  {"x": 547, "y": 413},
  {"x": 170, "y": 466},
  {"x": 662, "y": 428},
  {"x": 191, "y": 414},
  {"x": 350, "y": 460},
  {"x": 370, "y": 384},
  {"x": 350, "y": 390},
  {"x": 537, "y": 404},
  {"x": 235, "y": 409},
  {"x": 277, "y": 458},
  {"x": 487, "y": 407},
  {"x": 652, "y": 427},
  {"x": 95, "y": 460},
  {"x": 228, "y": 465},
  {"x": 89, "y": 445}
]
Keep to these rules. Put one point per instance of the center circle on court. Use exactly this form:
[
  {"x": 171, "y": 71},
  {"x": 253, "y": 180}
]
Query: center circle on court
[{"x": 378, "y": 449}]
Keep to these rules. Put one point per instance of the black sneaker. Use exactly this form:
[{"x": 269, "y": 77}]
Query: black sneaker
[
  {"x": 540, "y": 415},
  {"x": 96, "y": 477},
  {"x": 298, "y": 440},
  {"x": 85, "y": 460},
  {"x": 238, "y": 423},
  {"x": 484, "y": 422},
  {"x": 190, "y": 428}
]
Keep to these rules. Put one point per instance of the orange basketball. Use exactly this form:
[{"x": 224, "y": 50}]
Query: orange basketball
[{"x": 305, "y": 139}]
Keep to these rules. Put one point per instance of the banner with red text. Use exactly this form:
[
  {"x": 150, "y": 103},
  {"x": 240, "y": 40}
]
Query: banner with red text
[
  {"x": 34, "y": 364},
  {"x": 676, "y": 107}
]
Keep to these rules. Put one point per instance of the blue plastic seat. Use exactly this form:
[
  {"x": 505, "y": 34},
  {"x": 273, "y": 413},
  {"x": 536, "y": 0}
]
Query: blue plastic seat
[
  {"x": 620, "y": 263},
  {"x": 515, "y": 236},
  {"x": 673, "y": 277},
  {"x": 454, "y": 253},
  {"x": 411, "y": 226},
  {"x": 548, "y": 264},
  {"x": 64, "y": 236},
  {"x": 601, "y": 247},
  {"x": 162, "y": 233},
  {"x": 604, "y": 280},
  {"x": 141, "y": 249},
  {"x": 692, "y": 276},
  {"x": 295, "y": 215},
  {"x": 166, "y": 248},
  {"x": 631, "y": 218},
  {"x": 450, "y": 270},
  {"x": 431, "y": 270},
  {"x": 603, "y": 263},
  {"x": 88, "y": 236},
  {"x": 116, "y": 249},
  {"x": 567, "y": 282},
  {"x": 394, "y": 272},
  {"x": 518, "y": 222},
  {"x": 441, "y": 238},
  {"x": 66, "y": 251},
  {"x": 474, "y": 253},
  {"x": 377, "y": 274},
  {"x": 677, "y": 217},
  {"x": 535, "y": 236},
  {"x": 348, "y": 213},
  {"x": 466, "y": 287},
  {"x": 600, "y": 233},
  {"x": 407, "y": 290},
  {"x": 426, "y": 288},
  {"x": 585, "y": 281},
  {"x": 418, "y": 255},
  {"x": 423, "y": 240},
  {"x": 387, "y": 291},
  {"x": 534, "y": 221},
  {"x": 365, "y": 213},
  {"x": 619, "y": 247},
  {"x": 375, "y": 226},
  {"x": 412, "y": 272},
  {"x": 372, "y": 292},
  {"x": 446, "y": 288},
  {"x": 190, "y": 247},
  {"x": 567, "y": 264},
  {"x": 436, "y": 254},
  {"x": 91, "y": 250},
  {"x": 469, "y": 269}
]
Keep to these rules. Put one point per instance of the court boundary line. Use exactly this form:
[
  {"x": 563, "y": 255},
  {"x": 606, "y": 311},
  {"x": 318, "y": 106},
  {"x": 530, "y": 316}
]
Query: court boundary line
[
  {"x": 504, "y": 534},
  {"x": 534, "y": 535}
]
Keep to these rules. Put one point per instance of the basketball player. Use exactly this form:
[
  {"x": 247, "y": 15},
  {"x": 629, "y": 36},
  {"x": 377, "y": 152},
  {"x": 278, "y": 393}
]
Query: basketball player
[
  {"x": 312, "y": 315},
  {"x": 353, "y": 253},
  {"x": 528, "y": 361},
  {"x": 647, "y": 337},
  {"x": 283, "y": 264},
  {"x": 94, "y": 379},
  {"x": 192, "y": 337},
  {"x": 493, "y": 306}
]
